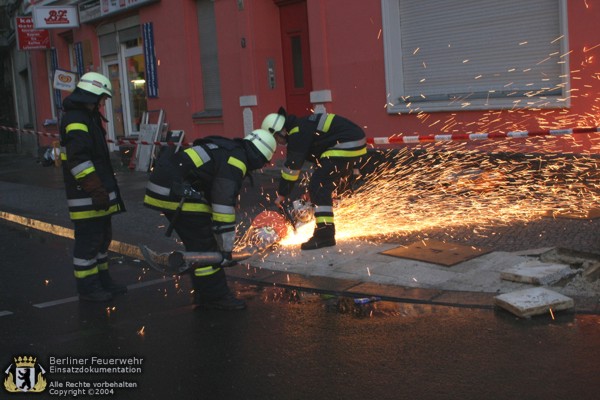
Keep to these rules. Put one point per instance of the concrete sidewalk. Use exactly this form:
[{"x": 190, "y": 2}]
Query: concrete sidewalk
[{"x": 355, "y": 267}]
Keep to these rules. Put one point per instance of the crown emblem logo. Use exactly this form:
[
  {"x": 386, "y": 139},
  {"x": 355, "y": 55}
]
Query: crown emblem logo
[
  {"x": 24, "y": 362},
  {"x": 25, "y": 375}
]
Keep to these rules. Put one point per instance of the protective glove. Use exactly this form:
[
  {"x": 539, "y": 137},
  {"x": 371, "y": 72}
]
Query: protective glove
[
  {"x": 305, "y": 197},
  {"x": 92, "y": 185},
  {"x": 227, "y": 260},
  {"x": 280, "y": 200}
]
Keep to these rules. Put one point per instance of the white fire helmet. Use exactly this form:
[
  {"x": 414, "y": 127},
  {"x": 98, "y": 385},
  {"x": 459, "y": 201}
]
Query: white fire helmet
[
  {"x": 263, "y": 141},
  {"x": 95, "y": 83},
  {"x": 273, "y": 123}
]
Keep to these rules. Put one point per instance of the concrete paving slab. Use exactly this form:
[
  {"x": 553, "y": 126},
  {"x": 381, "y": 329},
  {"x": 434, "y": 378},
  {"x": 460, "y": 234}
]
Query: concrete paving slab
[
  {"x": 533, "y": 301},
  {"x": 536, "y": 272},
  {"x": 483, "y": 274}
]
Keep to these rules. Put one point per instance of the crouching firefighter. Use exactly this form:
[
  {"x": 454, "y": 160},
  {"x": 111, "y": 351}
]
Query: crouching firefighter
[
  {"x": 334, "y": 144},
  {"x": 92, "y": 191},
  {"x": 197, "y": 190}
]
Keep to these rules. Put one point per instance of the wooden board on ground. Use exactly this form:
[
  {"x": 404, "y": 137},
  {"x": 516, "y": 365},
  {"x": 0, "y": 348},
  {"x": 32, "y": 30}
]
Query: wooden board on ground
[{"x": 432, "y": 251}]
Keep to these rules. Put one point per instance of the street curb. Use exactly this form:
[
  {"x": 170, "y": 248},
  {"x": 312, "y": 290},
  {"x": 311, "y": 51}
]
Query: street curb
[{"x": 354, "y": 288}]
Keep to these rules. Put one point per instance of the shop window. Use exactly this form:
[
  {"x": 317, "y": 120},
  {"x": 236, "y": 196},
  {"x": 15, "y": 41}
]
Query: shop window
[
  {"x": 209, "y": 60},
  {"x": 297, "y": 63},
  {"x": 475, "y": 54}
]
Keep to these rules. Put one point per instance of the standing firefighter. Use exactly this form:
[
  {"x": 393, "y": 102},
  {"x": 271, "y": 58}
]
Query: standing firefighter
[
  {"x": 335, "y": 144},
  {"x": 197, "y": 190},
  {"x": 92, "y": 190}
]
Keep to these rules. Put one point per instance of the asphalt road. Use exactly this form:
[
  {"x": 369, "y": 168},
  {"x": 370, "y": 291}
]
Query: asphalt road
[{"x": 286, "y": 345}]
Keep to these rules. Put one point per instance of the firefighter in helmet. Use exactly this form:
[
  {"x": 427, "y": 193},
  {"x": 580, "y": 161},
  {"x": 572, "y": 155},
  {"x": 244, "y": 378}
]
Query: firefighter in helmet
[
  {"x": 334, "y": 144},
  {"x": 92, "y": 191},
  {"x": 208, "y": 176}
]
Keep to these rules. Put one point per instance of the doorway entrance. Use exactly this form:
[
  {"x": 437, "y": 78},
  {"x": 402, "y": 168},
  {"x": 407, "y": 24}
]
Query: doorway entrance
[
  {"x": 126, "y": 72},
  {"x": 296, "y": 57}
]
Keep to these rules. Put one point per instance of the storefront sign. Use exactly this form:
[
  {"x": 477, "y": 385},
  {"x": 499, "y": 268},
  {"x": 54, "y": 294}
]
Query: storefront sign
[
  {"x": 90, "y": 10},
  {"x": 65, "y": 80},
  {"x": 29, "y": 38},
  {"x": 112, "y": 6},
  {"x": 55, "y": 17}
]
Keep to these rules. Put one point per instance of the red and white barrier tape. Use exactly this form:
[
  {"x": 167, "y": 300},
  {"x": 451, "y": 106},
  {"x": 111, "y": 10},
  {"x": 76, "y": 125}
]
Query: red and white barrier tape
[
  {"x": 401, "y": 139},
  {"x": 476, "y": 136},
  {"x": 118, "y": 141}
]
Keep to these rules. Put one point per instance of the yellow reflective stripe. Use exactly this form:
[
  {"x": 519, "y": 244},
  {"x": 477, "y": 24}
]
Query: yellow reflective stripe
[
  {"x": 219, "y": 217},
  {"x": 344, "y": 153},
  {"x": 290, "y": 177},
  {"x": 76, "y": 127},
  {"x": 85, "y": 172},
  {"x": 328, "y": 122},
  {"x": 326, "y": 220},
  {"x": 206, "y": 271},
  {"x": 86, "y": 273},
  {"x": 103, "y": 266},
  {"x": 94, "y": 213},
  {"x": 294, "y": 130},
  {"x": 238, "y": 164},
  {"x": 172, "y": 205},
  {"x": 63, "y": 156},
  {"x": 194, "y": 156}
]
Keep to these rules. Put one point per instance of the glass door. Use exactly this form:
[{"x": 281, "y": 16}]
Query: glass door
[{"x": 134, "y": 78}]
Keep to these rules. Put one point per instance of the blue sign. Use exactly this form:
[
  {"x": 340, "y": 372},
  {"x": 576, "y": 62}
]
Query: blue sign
[
  {"x": 150, "y": 60},
  {"x": 79, "y": 58},
  {"x": 54, "y": 65}
]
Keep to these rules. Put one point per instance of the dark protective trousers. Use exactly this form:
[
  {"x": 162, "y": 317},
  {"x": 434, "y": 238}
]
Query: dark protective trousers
[
  {"x": 92, "y": 239},
  {"x": 196, "y": 234},
  {"x": 329, "y": 174}
]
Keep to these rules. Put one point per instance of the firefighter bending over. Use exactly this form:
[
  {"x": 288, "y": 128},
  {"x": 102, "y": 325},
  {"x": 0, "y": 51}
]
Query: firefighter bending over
[
  {"x": 335, "y": 145},
  {"x": 197, "y": 190},
  {"x": 92, "y": 191}
]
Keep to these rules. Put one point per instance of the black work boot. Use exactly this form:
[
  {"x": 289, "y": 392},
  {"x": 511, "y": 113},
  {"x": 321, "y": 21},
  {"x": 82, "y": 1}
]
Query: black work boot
[
  {"x": 323, "y": 236},
  {"x": 90, "y": 289},
  {"x": 109, "y": 284},
  {"x": 228, "y": 302}
]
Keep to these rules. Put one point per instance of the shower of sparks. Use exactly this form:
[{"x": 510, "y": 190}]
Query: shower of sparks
[
  {"x": 446, "y": 185},
  {"x": 449, "y": 186},
  {"x": 482, "y": 184}
]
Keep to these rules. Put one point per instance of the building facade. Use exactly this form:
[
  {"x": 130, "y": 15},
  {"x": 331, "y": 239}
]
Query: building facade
[{"x": 412, "y": 67}]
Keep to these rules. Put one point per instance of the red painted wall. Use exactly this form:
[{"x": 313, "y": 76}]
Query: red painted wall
[
  {"x": 347, "y": 57},
  {"x": 179, "y": 73},
  {"x": 355, "y": 69}
]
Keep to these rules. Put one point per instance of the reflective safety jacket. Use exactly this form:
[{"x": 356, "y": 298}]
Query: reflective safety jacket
[
  {"x": 319, "y": 136},
  {"x": 84, "y": 151},
  {"x": 216, "y": 169}
]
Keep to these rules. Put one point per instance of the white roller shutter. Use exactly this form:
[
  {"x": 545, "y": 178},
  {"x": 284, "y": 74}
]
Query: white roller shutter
[{"x": 455, "y": 53}]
